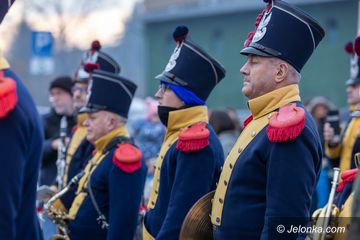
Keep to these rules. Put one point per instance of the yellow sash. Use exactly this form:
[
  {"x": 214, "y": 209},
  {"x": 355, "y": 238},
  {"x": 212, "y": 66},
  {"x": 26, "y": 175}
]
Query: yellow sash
[
  {"x": 146, "y": 234},
  {"x": 78, "y": 136},
  {"x": 91, "y": 166},
  {"x": 81, "y": 194}
]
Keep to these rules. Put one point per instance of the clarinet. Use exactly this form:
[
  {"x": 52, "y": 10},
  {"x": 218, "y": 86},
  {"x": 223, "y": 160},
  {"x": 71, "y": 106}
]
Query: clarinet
[{"x": 61, "y": 157}]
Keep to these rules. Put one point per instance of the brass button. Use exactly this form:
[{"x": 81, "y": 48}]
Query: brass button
[
  {"x": 225, "y": 183},
  {"x": 221, "y": 201},
  {"x": 169, "y": 144},
  {"x": 152, "y": 203},
  {"x": 162, "y": 157},
  {"x": 240, "y": 150},
  {"x": 156, "y": 191},
  {"x": 217, "y": 219},
  {"x": 231, "y": 166},
  {"x": 253, "y": 133}
]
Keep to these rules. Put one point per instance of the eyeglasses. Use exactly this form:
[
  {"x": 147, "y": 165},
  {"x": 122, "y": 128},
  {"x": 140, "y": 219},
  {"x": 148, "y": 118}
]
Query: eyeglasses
[
  {"x": 80, "y": 89},
  {"x": 163, "y": 88}
]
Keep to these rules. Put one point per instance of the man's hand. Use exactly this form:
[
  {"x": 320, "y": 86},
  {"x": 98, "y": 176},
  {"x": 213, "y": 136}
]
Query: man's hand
[{"x": 56, "y": 143}]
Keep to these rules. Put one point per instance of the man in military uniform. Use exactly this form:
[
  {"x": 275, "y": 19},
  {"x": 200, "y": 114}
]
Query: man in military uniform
[
  {"x": 21, "y": 139},
  {"x": 108, "y": 196},
  {"x": 341, "y": 153},
  {"x": 191, "y": 156},
  {"x": 80, "y": 149},
  {"x": 270, "y": 174}
]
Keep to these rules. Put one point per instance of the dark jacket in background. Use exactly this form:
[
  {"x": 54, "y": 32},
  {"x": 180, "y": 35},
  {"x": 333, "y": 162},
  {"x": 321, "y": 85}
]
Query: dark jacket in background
[{"x": 51, "y": 124}]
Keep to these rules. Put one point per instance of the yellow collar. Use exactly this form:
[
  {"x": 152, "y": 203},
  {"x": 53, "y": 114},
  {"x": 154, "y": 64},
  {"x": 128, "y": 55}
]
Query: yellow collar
[
  {"x": 81, "y": 117},
  {"x": 354, "y": 107},
  {"x": 185, "y": 117},
  {"x": 273, "y": 100},
  {"x": 3, "y": 63},
  {"x": 102, "y": 142}
]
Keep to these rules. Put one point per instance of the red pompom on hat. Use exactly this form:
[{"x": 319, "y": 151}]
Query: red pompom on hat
[
  {"x": 349, "y": 48},
  {"x": 95, "y": 45},
  {"x": 90, "y": 67},
  {"x": 357, "y": 46},
  {"x": 180, "y": 34}
]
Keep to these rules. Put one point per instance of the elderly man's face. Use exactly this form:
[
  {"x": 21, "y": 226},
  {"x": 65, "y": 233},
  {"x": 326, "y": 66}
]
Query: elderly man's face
[
  {"x": 259, "y": 75},
  {"x": 97, "y": 125}
]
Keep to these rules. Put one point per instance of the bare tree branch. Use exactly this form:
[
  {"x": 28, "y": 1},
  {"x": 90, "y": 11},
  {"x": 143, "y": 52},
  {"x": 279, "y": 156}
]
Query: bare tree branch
[{"x": 62, "y": 13}]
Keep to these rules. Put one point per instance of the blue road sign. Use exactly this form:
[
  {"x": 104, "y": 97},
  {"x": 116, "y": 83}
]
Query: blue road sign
[{"x": 42, "y": 44}]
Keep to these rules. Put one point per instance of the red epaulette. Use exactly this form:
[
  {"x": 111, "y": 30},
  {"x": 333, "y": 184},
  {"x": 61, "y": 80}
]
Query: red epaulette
[
  {"x": 193, "y": 138},
  {"x": 8, "y": 96},
  {"x": 127, "y": 157},
  {"x": 248, "y": 120},
  {"x": 346, "y": 177},
  {"x": 287, "y": 124}
]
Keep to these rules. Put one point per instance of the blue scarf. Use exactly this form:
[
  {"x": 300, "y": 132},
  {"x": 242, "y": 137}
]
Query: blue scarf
[{"x": 187, "y": 96}]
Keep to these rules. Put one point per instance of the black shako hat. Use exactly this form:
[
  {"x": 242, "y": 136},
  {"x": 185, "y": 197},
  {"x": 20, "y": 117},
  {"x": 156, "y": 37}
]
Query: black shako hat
[
  {"x": 95, "y": 59},
  {"x": 286, "y": 32},
  {"x": 109, "y": 92},
  {"x": 191, "y": 67},
  {"x": 4, "y": 7}
]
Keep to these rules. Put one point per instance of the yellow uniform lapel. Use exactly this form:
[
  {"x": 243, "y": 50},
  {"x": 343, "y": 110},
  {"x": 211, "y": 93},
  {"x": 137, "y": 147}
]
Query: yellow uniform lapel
[
  {"x": 261, "y": 109},
  {"x": 177, "y": 120}
]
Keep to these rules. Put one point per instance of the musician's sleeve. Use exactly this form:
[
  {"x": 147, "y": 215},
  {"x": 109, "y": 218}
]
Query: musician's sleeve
[
  {"x": 125, "y": 194},
  {"x": 13, "y": 150},
  {"x": 292, "y": 170}
]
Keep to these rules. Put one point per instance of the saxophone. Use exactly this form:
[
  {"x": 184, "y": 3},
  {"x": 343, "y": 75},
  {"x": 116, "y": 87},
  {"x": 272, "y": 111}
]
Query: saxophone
[
  {"x": 61, "y": 157},
  {"x": 57, "y": 216}
]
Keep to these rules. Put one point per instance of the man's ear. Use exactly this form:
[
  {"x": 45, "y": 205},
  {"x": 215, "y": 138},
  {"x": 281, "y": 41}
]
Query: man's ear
[{"x": 281, "y": 72}]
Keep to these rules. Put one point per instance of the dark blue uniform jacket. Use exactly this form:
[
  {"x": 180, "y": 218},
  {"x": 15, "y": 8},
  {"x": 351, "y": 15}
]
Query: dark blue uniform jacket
[{"x": 21, "y": 139}]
